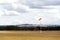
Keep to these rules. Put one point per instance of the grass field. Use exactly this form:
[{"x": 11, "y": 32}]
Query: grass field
[{"x": 29, "y": 35}]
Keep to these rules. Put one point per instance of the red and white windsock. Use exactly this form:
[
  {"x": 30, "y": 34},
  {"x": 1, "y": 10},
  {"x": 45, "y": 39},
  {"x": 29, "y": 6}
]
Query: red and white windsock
[{"x": 40, "y": 19}]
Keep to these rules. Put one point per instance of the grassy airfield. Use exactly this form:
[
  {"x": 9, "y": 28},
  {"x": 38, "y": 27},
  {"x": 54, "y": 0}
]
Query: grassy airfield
[{"x": 29, "y": 35}]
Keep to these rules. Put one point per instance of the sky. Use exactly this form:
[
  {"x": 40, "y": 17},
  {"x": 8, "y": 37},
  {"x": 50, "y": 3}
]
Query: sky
[{"x": 14, "y": 12}]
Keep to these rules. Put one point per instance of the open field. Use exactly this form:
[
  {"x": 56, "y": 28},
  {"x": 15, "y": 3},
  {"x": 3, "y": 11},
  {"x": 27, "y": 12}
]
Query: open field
[{"x": 29, "y": 35}]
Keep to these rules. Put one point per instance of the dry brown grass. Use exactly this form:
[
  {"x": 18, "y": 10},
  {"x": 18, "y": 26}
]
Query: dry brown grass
[{"x": 29, "y": 35}]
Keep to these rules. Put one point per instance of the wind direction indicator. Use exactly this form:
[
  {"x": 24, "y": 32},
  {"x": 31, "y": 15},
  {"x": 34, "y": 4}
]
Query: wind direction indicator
[
  {"x": 40, "y": 19},
  {"x": 40, "y": 23}
]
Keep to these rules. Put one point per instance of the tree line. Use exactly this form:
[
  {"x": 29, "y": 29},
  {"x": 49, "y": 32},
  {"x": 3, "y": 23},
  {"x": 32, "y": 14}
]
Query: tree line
[{"x": 31, "y": 28}]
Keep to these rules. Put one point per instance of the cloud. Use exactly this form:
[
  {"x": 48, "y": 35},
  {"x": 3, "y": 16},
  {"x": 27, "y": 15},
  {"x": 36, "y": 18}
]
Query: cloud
[
  {"x": 31, "y": 3},
  {"x": 49, "y": 16},
  {"x": 8, "y": 13},
  {"x": 38, "y": 3},
  {"x": 8, "y": 1},
  {"x": 29, "y": 12},
  {"x": 15, "y": 7}
]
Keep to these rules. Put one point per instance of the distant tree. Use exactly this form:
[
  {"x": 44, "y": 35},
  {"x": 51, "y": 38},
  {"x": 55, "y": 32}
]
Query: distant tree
[{"x": 11, "y": 27}]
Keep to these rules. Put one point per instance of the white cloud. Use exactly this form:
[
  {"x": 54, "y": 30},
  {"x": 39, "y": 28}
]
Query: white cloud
[
  {"x": 51, "y": 7},
  {"x": 25, "y": 11},
  {"x": 39, "y": 3},
  {"x": 8, "y": 13},
  {"x": 8, "y": 1}
]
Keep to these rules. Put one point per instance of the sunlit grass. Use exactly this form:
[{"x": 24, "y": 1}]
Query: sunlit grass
[
  {"x": 28, "y": 35},
  {"x": 28, "y": 38}
]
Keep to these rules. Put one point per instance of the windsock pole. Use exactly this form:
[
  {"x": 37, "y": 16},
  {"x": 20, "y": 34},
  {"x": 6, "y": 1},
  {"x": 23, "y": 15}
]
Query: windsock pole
[{"x": 40, "y": 23}]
